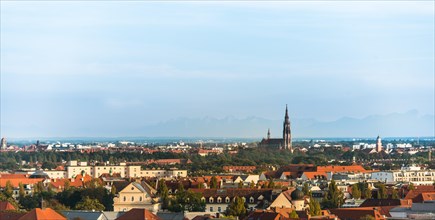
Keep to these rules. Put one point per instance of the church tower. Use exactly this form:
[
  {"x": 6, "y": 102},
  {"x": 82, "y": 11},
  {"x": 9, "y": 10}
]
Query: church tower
[
  {"x": 268, "y": 134},
  {"x": 287, "y": 134},
  {"x": 378, "y": 144}
]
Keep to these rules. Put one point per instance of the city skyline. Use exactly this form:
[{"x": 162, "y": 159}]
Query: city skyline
[{"x": 113, "y": 68}]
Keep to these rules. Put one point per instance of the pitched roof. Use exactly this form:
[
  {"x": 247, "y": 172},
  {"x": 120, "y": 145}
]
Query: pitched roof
[
  {"x": 139, "y": 214},
  {"x": 83, "y": 215},
  {"x": 356, "y": 213},
  {"x": 380, "y": 202},
  {"x": 42, "y": 214},
  {"x": 263, "y": 215},
  {"x": 5, "y": 205},
  {"x": 16, "y": 179},
  {"x": 315, "y": 175},
  {"x": 11, "y": 215},
  {"x": 233, "y": 192},
  {"x": 414, "y": 194},
  {"x": 352, "y": 168}
]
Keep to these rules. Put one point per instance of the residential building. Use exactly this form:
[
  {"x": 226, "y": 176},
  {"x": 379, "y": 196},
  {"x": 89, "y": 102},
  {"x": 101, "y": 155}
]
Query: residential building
[{"x": 136, "y": 195}]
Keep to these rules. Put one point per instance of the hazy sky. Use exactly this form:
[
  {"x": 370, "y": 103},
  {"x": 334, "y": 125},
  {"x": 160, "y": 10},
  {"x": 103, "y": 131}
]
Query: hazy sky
[{"x": 92, "y": 68}]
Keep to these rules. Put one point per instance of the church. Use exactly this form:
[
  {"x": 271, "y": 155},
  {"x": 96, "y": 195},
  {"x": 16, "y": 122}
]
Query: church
[{"x": 280, "y": 143}]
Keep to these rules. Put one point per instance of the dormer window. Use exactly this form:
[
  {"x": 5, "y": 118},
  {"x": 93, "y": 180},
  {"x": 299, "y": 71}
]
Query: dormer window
[
  {"x": 251, "y": 200},
  {"x": 210, "y": 200},
  {"x": 202, "y": 199},
  {"x": 219, "y": 200},
  {"x": 227, "y": 200}
]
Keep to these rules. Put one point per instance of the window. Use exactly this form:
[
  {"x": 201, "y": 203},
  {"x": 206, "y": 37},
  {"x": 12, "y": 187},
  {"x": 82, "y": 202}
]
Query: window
[
  {"x": 210, "y": 200},
  {"x": 125, "y": 198},
  {"x": 251, "y": 200},
  {"x": 202, "y": 199},
  {"x": 132, "y": 188},
  {"x": 227, "y": 200},
  {"x": 219, "y": 199},
  {"x": 219, "y": 209},
  {"x": 211, "y": 209},
  {"x": 140, "y": 199},
  {"x": 132, "y": 198}
]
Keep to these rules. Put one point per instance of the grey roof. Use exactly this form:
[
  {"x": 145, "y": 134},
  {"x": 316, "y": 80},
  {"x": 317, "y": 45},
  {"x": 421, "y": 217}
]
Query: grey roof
[
  {"x": 171, "y": 215},
  {"x": 85, "y": 215},
  {"x": 426, "y": 207},
  {"x": 112, "y": 215}
]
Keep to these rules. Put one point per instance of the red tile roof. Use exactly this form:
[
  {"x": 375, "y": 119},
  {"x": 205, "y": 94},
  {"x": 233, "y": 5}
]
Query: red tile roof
[
  {"x": 42, "y": 214},
  {"x": 353, "y": 168},
  {"x": 5, "y": 205},
  {"x": 356, "y": 213},
  {"x": 16, "y": 179},
  {"x": 139, "y": 214}
]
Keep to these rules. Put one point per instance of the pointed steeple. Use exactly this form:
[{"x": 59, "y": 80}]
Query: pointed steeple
[
  {"x": 286, "y": 112},
  {"x": 268, "y": 134}
]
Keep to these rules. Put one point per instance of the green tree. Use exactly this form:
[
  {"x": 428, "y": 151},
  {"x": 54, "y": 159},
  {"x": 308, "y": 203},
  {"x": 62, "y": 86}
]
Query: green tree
[
  {"x": 395, "y": 194},
  {"x": 356, "y": 193},
  {"x": 314, "y": 207},
  {"x": 237, "y": 208},
  {"x": 252, "y": 185},
  {"x": 67, "y": 184},
  {"x": 382, "y": 191},
  {"x": 214, "y": 183},
  {"x": 271, "y": 184},
  {"x": 89, "y": 204},
  {"x": 240, "y": 185},
  {"x": 411, "y": 186},
  {"x": 367, "y": 193},
  {"x": 113, "y": 190},
  {"x": 11, "y": 200},
  {"x": 294, "y": 215},
  {"x": 21, "y": 192},
  {"x": 367, "y": 217},
  {"x": 306, "y": 189},
  {"x": 8, "y": 190},
  {"x": 163, "y": 192},
  {"x": 334, "y": 197}
]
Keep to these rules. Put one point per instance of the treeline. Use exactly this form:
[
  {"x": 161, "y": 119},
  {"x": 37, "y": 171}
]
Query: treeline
[{"x": 260, "y": 157}]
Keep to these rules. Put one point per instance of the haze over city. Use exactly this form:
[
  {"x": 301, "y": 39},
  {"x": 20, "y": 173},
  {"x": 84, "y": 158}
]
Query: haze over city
[{"x": 179, "y": 68}]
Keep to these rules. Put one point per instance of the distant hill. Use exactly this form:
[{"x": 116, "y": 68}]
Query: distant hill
[{"x": 393, "y": 125}]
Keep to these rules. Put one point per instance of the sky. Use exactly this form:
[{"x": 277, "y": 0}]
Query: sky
[{"x": 76, "y": 68}]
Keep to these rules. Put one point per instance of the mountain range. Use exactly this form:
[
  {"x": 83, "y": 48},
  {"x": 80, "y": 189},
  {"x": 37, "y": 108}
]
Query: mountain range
[{"x": 392, "y": 125}]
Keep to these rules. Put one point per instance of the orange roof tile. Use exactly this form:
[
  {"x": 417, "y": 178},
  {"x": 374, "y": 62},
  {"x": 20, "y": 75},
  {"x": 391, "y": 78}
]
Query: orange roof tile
[
  {"x": 353, "y": 168},
  {"x": 42, "y": 214}
]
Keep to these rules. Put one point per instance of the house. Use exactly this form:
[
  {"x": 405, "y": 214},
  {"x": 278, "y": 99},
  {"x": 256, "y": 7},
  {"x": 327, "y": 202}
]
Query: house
[
  {"x": 217, "y": 200},
  {"x": 294, "y": 199},
  {"x": 139, "y": 214},
  {"x": 136, "y": 195}
]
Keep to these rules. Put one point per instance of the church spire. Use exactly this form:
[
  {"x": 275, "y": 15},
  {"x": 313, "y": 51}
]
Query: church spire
[
  {"x": 287, "y": 136},
  {"x": 268, "y": 134}
]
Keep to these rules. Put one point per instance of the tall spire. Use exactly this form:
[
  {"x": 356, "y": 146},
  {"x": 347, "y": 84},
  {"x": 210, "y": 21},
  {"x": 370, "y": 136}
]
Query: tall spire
[
  {"x": 268, "y": 134},
  {"x": 287, "y": 136}
]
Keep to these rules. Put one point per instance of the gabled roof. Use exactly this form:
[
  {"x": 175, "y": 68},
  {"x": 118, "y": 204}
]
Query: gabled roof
[
  {"x": 5, "y": 205},
  {"x": 315, "y": 175},
  {"x": 233, "y": 192},
  {"x": 380, "y": 202},
  {"x": 83, "y": 215},
  {"x": 16, "y": 179},
  {"x": 139, "y": 214},
  {"x": 42, "y": 214}
]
